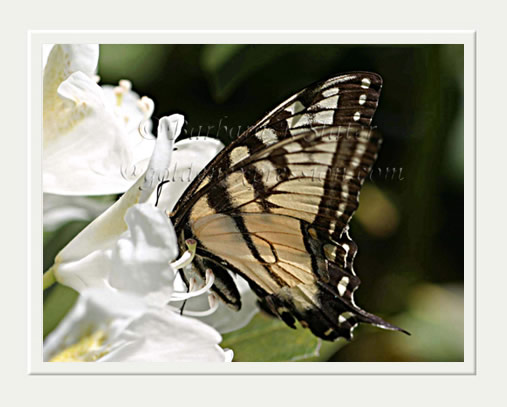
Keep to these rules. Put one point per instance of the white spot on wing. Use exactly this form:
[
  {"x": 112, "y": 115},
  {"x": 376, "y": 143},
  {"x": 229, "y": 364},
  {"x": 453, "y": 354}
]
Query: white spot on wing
[
  {"x": 365, "y": 83},
  {"x": 342, "y": 285},
  {"x": 362, "y": 99},
  {"x": 345, "y": 247},
  {"x": 357, "y": 116},
  {"x": 344, "y": 316}
]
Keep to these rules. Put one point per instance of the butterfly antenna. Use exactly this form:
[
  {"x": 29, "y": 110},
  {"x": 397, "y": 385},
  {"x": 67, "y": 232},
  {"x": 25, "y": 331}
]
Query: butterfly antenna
[{"x": 159, "y": 190}]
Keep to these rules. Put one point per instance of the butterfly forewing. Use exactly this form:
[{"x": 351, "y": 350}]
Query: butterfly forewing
[
  {"x": 274, "y": 206},
  {"x": 356, "y": 95}
]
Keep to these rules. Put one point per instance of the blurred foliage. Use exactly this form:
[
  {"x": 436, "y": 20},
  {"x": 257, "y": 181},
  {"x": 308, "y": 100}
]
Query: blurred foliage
[
  {"x": 434, "y": 317},
  {"x": 58, "y": 300},
  {"x": 409, "y": 227}
]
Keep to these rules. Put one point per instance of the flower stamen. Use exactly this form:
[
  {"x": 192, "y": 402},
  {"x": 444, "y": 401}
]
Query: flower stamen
[
  {"x": 87, "y": 349},
  {"x": 192, "y": 284},
  {"x": 147, "y": 106},
  {"x": 125, "y": 84},
  {"x": 119, "y": 92},
  {"x": 213, "y": 305},
  {"x": 179, "y": 296},
  {"x": 187, "y": 257}
]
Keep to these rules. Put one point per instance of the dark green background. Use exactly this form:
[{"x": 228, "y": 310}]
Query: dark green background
[{"x": 409, "y": 230}]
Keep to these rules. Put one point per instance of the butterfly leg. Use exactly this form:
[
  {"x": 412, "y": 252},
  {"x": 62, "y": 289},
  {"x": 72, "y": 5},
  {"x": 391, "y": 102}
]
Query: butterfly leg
[{"x": 187, "y": 285}]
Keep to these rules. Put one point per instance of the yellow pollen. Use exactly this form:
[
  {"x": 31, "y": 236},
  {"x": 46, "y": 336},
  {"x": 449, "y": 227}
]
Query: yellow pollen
[
  {"x": 119, "y": 91},
  {"x": 86, "y": 350}
]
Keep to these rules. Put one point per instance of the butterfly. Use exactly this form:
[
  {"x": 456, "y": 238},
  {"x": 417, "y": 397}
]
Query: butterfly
[{"x": 274, "y": 207}]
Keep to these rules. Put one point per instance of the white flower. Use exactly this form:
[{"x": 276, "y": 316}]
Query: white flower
[
  {"x": 130, "y": 320},
  {"x": 87, "y": 260},
  {"x": 114, "y": 327},
  {"x": 190, "y": 156},
  {"x": 129, "y": 248},
  {"x": 144, "y": 252},
  {"x": 91, "y": 139}
]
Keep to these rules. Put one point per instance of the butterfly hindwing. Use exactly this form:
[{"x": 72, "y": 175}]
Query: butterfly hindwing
[{"x": 274, "y": 206}]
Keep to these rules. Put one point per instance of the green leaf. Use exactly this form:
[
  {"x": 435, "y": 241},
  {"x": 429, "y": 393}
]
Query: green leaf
[
  {"x": 58, "y": 299},
  {"x": 57, "y": 303},
  {"x": 57, "y": 240},
  {"x": 267, "y": 339}
]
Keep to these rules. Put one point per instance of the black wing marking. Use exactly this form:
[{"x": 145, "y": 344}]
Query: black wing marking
[
  {"x": 343, "y": 100},
  {"x": 257, "y": 212}
]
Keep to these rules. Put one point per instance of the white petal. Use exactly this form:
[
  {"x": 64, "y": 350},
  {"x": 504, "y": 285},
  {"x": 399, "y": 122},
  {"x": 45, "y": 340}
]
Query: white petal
[
  {"x": 94, "y": 310},
  {"x": 84, "y": 148},
  {"x": 63, "y": 60},
  {"x": 141, "y": 256},
  {"x": 128, "y": 110},
  {"x": 90, "y": 148},
  {"x": 141, "y": 144},
  {"x": 76, "y": 263},
  {"x": 88, "y": 269},
  {"x": 60, "y": 209},
  {"x": 189, "y": 158},
  {"x": 169, "y": 128},
  {"x": 168, "y": 337}
]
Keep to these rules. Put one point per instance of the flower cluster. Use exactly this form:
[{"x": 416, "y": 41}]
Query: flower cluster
[{"x": 124, "y": 264}]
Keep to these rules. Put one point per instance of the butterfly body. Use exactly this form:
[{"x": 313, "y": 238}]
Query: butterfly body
[{"x": 274, "y": 206}]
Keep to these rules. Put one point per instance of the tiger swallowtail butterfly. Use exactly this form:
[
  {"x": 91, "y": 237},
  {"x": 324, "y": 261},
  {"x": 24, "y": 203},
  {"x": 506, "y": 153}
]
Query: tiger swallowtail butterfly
[{"x": 274, "y": 207}]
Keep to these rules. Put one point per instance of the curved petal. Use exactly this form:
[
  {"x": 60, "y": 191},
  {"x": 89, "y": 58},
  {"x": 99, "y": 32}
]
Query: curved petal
[
  {"x": 92, "y": 144},
  {"x": 95, "y": 311},
  {"x": 190, "y": 156},
  {"x": 225, "y": 319},
  {"x": 76, "y": 264},
  {"x": 114, "y": 327},
  {"x": 63, "y": 60},
  {"x": 165, "y": 336},
  {"x": 141, "y": 258},
  {"x": 133, "y": 113},
  {"x": 84, "y": 151}
]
